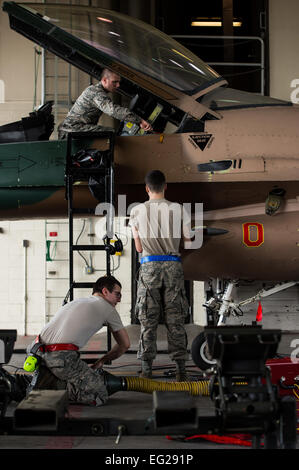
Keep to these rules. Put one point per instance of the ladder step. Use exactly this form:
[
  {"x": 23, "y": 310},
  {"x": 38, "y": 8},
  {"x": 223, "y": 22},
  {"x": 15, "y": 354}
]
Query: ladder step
[
  {"x": 87, "y": 247},
  {"x": 88, "y": 171},
  {"x": 80, "y": 285}
]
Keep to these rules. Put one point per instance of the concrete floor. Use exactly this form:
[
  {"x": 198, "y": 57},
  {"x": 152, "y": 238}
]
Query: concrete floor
[{"x": 127, "y": 405}]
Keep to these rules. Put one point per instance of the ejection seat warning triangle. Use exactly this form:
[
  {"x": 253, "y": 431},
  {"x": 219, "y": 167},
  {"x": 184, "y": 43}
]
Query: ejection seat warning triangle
[{"x": 202, "y": 140}]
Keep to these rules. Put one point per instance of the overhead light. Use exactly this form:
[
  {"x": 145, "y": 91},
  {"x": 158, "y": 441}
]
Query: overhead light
[
  {"x": 217, "y": 22},
  {"x": 206, "y": 23}
]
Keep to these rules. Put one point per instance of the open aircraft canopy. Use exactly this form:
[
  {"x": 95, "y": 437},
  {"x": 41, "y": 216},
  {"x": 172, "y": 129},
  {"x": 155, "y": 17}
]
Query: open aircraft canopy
[
  {"x": 146, "y": 58},
  {"x": 91, "y": 38}
]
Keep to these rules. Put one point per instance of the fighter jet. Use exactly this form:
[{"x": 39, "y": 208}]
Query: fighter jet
[{"x": 234, "y": 151}]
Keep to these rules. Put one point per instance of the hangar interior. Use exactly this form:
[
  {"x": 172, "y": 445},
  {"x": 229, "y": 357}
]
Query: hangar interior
[{"x": 35, "y": 255}]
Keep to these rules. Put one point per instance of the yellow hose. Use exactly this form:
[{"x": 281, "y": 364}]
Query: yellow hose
[{"x": 139, "y": 384}]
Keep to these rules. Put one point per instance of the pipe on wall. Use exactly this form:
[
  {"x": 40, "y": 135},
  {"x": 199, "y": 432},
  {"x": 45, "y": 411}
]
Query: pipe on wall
[{"x": 25, "y": 245}]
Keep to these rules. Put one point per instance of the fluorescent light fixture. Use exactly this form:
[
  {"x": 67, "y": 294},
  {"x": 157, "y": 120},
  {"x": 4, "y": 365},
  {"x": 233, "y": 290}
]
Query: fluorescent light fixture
[
  {"x": 217, "y": 22},
  {"x": 206, "y": 23}
]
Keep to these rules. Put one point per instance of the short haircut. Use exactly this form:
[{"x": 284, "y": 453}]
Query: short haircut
[
  {"x": 107, "y": 73},
  {"x": 105, "y": 281},
  {"x": 155, "y": 180}
]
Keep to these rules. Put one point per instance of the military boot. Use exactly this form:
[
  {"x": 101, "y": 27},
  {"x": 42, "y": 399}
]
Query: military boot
[
  {"x": 181, "y": 373},
  {"x": 146, "y": 369}
]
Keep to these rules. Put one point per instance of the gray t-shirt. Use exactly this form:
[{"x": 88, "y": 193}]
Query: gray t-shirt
[
  {"x": 80, "y": 319},
  {"x": 160, "y": 226}
]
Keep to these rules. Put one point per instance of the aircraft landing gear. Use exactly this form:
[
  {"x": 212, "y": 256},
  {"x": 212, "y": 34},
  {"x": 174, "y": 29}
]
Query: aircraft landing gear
[
  {"x": 220, "y": 306},
  {"x": 200, "y": 352}
]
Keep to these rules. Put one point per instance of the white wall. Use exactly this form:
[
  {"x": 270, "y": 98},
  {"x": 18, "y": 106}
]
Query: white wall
[
  {"x": 41, "y": 284},
  {"x": 17, "y": 73},
  {"x": 284, "y": 46},
  {"x": 199, "y": 312},
  {"x": 12, "y": 274},
  {"x": 47, "y": 281}
]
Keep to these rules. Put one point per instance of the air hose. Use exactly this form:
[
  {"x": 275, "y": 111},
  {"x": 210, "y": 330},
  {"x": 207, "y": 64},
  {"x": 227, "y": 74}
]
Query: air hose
[{"x": 138, "y": 384}]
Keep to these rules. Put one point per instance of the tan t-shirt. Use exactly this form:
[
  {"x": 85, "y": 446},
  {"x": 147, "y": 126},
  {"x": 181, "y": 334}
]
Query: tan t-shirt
[
  {"x": 160, "y": 226},
  {"x": 80, "y": 319}
]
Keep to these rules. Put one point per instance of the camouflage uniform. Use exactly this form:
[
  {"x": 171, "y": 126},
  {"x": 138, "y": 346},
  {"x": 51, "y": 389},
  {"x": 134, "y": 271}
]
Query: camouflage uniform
[
  {"x": 161, "y": 293},
  {"x": 71, "y": 327},
  {"x": 91, "y": 104},
  {"x": 64, "y": 370}
]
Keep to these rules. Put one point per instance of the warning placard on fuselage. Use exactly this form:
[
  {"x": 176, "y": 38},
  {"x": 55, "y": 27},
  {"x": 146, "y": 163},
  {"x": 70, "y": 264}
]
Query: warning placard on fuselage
[{"x": 201, "y": 140}]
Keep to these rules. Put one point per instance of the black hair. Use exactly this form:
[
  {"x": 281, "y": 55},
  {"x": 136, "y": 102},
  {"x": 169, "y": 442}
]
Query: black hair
[
  {"x": 105, "y": 281},
  {"x": 155, "y": 180}
]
